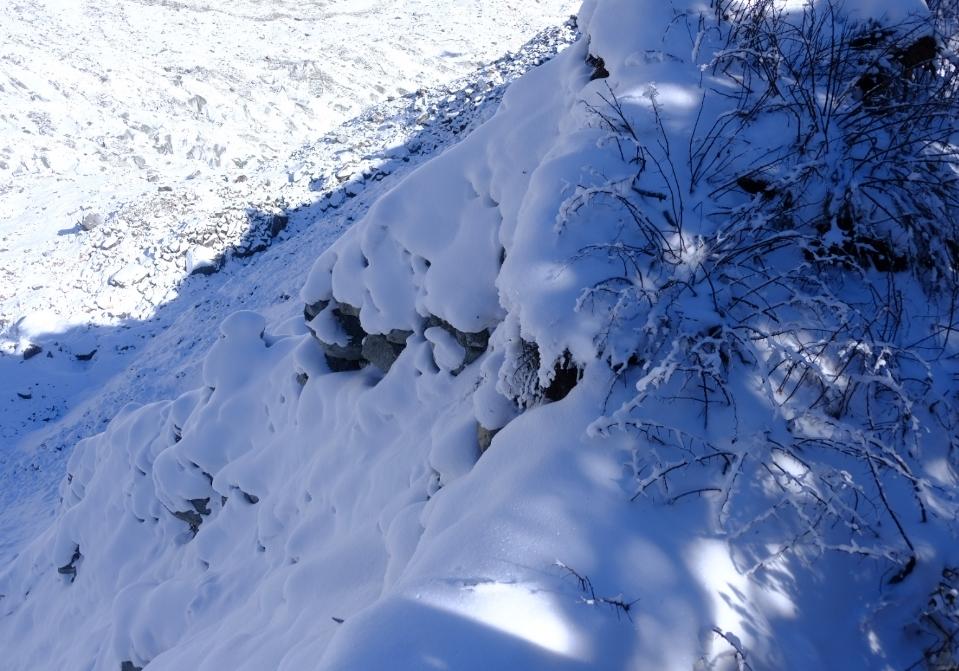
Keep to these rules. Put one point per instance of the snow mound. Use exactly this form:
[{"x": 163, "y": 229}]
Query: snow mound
[{"x": 656, "y": 370}]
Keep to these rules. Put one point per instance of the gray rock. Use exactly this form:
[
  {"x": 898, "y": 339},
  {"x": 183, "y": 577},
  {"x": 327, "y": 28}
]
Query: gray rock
[
  {"x": 352, "y": 352},
  {"x": 311, "y": 310},
  {"x": 380, "y": 352},
  {"x": 70, "y": 569},
  {"x": 475, "y": 344},
  {"x": 91, "y": 221},
  {"x": 278, "y": 224},
  {"x": 398, "y": 337},
  {"x": 31, "y": 351},
  {"x": 485, "y": 437}
]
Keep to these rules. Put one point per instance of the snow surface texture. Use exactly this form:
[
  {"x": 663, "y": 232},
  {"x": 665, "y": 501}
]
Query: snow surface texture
[{"x": 693, "y": 498}]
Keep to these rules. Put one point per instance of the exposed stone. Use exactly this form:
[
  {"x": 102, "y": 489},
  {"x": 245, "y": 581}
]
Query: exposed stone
[
  {"x": 338, "y": 365},
  {"x": 278, "y": 224},
  {"x": 599, "y": 67},
  {"x": 485, "y": 437},
  {"x": 31, "y": 351},
  {"x": 130, "y": 666},
  {"x": 191, "y": 517},
  {"x": 202, "y": 261},
  {"x": 202, "y": 506},
  {"x": 91, "y": 221},
  {"x": 475, "y": 344},
  {"x": 349, "y": 356},
  {"x": 398, "y": 337},
  {"x": 129, "y": 275},
  {"x": 380, "y": 351},
  {"x": 311, "y": 310},
  {"x": 70, "y": 569}
]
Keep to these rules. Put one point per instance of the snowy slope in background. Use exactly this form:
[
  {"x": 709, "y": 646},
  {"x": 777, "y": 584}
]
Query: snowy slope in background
[
  {"x": 102, "y": 104},
  {"x": 481, "y": 445}
]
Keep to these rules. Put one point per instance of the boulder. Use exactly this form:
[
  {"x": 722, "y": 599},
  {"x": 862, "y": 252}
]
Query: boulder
[
  {"x": 475, "y": 344},
  {"x": 278, "y": 224},
  {"x": 485, "y": 437},
  {"x": 31, "y": 350},
  {"x": 91, "y": 221},
  {"x": 382, "y": 350},
  {"x": 202, "y": 261}
]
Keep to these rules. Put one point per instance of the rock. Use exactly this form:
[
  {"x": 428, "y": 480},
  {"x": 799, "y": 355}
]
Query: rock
[
  {"x": 91, "y": 221},
  {"x": 110, "y": 240},
  {"x": 278, "y": 224},
  {"x": 31, "y": 350},
  {"x": 347, "y": 310},
  {"x": 337, "y": 198},
  {"x": 70, "y": 569},
  {"x": 129, "y": 666},
  {"x": 349, "y": 356},
  {"x": 485, "y": 437},
  {"x": 381, "y": 352},
  {"x": 475, "y": 344},
  {"x": 164, "y": 189},
  {"x": 85, "y": 356},
  {"x": 311, "y": 310},
  {"x": 129, "y": 275},
  {"x": 448, "y": 353},
  {"x": 202, "y": 261},
  {"x": 398, "y": 337},
  {"x": 26, "y": 394},
  {"x": 191, "y": 517},
  {"x": 599, "y": 67}
]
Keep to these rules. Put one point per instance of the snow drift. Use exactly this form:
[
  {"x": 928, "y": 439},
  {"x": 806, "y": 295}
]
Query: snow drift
[{"x": 656, "y": 370}]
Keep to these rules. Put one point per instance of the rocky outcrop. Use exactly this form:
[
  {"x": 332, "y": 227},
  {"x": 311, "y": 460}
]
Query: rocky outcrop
[{"x": 348, "y": 346}]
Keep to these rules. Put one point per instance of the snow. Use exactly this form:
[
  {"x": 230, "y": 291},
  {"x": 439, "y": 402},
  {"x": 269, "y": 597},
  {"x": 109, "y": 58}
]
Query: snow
[
  {"x": 661, "y": 492},
  {"x": 171, "y": 121},
  {"x": 160, "y": 356}
]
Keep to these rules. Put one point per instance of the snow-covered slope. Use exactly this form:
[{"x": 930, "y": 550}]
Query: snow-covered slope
[
  {"x": 656, "y": 370},
  {"x": 170, "y": 120},
  {"x": 83, "y": 375}
]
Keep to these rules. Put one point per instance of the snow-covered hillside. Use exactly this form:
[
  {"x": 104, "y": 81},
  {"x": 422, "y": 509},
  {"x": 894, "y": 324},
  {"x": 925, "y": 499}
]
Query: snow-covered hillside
[
  {"x": 657, "y": 369},
  {"x": 110, "y": 310},
  {"x": 169, "y": 121}
]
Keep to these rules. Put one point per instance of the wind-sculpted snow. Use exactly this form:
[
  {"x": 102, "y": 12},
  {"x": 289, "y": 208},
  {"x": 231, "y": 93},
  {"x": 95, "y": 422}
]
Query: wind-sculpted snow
[{"x": 656, "y": 370}]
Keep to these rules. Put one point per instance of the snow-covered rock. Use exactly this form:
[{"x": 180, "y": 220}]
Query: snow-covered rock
[{"x": 201, "y": 260}]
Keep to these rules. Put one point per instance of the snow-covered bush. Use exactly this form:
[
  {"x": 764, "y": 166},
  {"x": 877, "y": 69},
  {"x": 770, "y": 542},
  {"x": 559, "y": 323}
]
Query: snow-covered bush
[{"x": 786, "y": 269}]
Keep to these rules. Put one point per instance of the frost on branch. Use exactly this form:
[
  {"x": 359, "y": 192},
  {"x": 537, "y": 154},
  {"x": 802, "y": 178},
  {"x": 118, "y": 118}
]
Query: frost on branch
[{"x": 787, "y": 271}]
